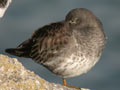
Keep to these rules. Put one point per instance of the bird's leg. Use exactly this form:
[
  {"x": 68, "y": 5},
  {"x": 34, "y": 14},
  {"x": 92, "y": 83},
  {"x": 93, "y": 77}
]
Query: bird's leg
[{"x": 65, "y": 84}]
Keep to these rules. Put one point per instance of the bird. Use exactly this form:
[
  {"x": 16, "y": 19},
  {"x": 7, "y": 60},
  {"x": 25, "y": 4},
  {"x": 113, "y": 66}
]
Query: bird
[
  {"x": 3, "y": 6},
  {"x": 67, "y": 48}
]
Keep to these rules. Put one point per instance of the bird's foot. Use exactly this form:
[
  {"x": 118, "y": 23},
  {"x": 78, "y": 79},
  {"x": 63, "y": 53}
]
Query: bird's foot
[
  {"x": 73, "y": 87},
  {"x": 65, "y": 84}
]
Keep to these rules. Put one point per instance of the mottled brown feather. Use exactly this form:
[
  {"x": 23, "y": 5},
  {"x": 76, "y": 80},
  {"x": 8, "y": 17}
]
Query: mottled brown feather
[{"x": 48, "y": 40}]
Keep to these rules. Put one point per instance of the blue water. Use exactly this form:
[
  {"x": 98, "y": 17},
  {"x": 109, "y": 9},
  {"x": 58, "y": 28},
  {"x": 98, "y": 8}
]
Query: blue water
[{"x": 25, "y": 16}]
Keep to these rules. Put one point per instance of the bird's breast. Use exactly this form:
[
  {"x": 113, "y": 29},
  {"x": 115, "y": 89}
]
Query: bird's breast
[{"x": 73, "y": 65}]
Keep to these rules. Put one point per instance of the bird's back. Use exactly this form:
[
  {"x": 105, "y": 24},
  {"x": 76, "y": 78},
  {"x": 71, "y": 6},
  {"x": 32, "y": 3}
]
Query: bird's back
[{"x": 44, "y": 43}]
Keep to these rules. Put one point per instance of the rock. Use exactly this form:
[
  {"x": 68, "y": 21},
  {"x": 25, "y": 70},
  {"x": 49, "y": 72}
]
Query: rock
[{"x": 14, "y": 76}]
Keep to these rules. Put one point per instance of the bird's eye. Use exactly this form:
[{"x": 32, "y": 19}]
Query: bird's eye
[{"x": 74, "y": 21}]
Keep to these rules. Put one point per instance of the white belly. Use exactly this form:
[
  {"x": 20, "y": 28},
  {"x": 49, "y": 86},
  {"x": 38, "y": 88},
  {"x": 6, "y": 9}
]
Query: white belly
[{"x": 71, "y": 66}]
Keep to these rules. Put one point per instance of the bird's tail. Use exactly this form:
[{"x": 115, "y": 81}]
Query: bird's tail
[
  {"x": 23, "y": 50},
  {"x": 16, "y": 52}
]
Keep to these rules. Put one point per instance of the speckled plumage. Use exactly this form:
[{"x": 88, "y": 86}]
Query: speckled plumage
[
  {"x": 3, "y": 3},
  {"x": 3, "y": 6},
  {"x": 67, "y": 48}
]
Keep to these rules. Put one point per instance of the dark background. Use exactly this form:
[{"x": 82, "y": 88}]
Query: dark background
[{"x": 25, "y": 16}]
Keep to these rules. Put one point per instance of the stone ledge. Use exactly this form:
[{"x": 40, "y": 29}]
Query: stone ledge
[{"x": 13, "y": 76}]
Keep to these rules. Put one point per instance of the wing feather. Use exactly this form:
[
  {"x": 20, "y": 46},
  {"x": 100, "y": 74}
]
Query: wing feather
[{"x": 48, "y": 41}]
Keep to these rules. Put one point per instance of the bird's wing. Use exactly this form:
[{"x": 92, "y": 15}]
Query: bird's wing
[
  {"x": 49, "y": 41},
  {"x": 3, "y": 6}
]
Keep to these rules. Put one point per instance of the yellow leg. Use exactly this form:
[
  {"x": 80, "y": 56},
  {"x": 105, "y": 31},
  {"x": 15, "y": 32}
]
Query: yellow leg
[{"x": 65, "y": 84}]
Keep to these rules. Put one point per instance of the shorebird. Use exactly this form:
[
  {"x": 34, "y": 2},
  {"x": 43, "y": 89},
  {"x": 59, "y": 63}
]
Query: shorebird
[
  {"x": 67, "y": 48},
  {"x": 3, "y": 6}
]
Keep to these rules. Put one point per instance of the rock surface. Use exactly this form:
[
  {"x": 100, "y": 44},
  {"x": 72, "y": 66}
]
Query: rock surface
[{"x": 13, "y": 76}]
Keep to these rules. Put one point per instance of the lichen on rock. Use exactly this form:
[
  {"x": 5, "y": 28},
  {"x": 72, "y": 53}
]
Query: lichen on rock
[{"x": 13, "y": 76}]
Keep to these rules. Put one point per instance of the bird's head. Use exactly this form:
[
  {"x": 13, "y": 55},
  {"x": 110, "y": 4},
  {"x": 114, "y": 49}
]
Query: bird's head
[{"x": 81, "y": 17}]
